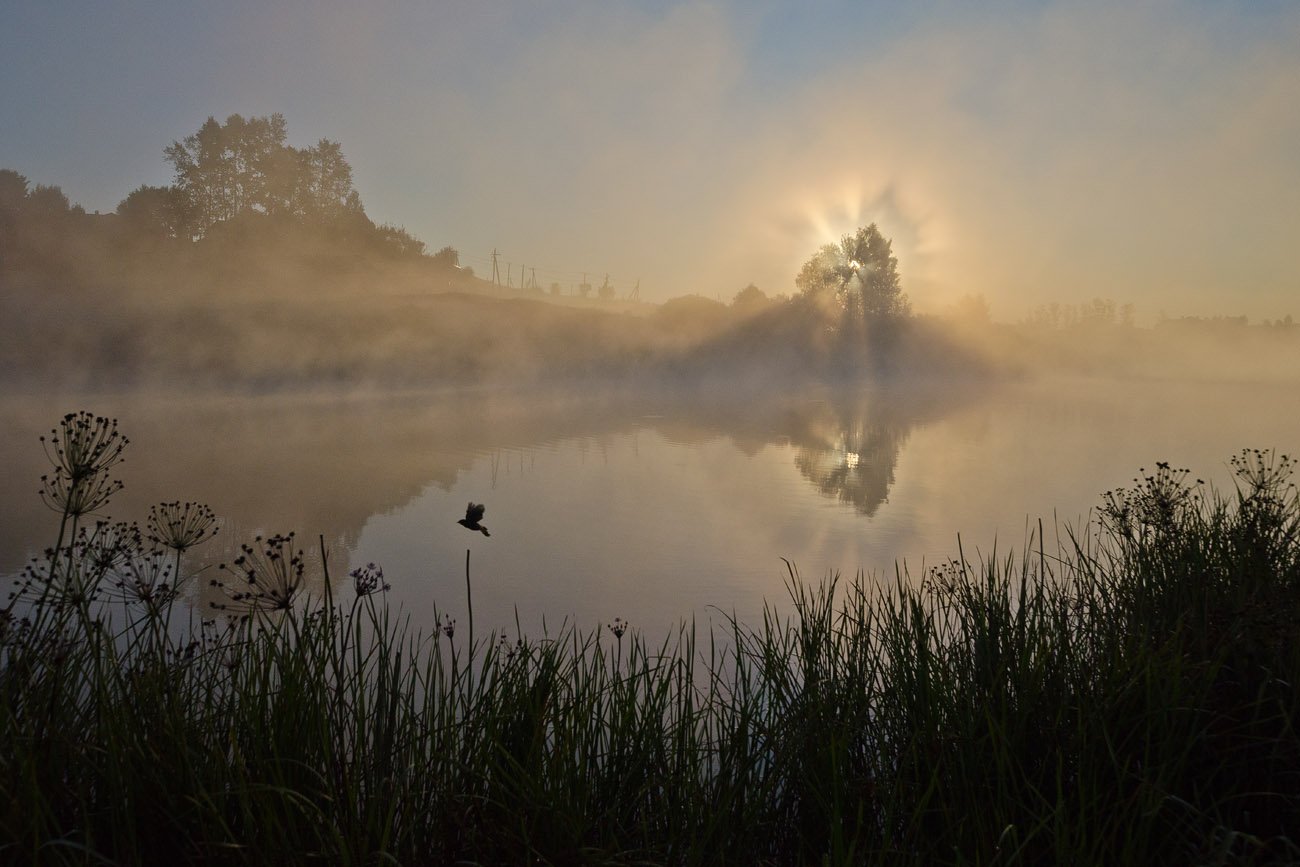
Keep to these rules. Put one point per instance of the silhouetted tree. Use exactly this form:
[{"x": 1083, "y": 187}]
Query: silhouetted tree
[
  {"x": 1097, "y": 313},
  {"x": 970, "y": 308},
  {"x": 399, "y": 240},
  {"x": 750, "y": 298},
  {"x": 50, "y": 202},
  {"x": 323, "y": 185},
  {"x": 13, "y": 197},
  {"x": 223, "y": 169},
  {"x": 447, "y": 257},
  {"x": 860, "y": 273},
  {"x": 155, "y": 212},
  {"x": 13, "y": 193},
  {"x": 244, "y": 165}
]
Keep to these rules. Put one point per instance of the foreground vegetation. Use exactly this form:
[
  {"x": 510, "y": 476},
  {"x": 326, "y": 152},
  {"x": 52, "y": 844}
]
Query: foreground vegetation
[{"x": 1125, "y": 696}]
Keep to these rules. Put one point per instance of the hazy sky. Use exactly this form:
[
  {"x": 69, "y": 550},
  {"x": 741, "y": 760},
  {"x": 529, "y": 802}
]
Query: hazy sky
[{"x": 1032, "y": 152}]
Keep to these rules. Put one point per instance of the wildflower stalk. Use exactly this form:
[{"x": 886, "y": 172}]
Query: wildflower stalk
[{"x": 469, "y": 604}]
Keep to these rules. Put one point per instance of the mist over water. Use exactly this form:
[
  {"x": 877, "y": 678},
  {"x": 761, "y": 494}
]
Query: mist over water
[
  {"x": 653, "y": 509},
  {"x": 916, "y": 382},
  {"x": 274, "y": 352}
]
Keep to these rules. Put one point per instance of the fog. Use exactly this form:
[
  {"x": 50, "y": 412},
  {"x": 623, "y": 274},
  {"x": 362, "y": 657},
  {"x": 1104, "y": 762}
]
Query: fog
[
  {"x": 342, "y": 466},
  {"x": 643, "y": 505},
  {"x": 277, "y": 302},
  {"x": 298, "y": 367},
  {"x": 1030, "y": 152},
  {"x": 575, "y": 225}
]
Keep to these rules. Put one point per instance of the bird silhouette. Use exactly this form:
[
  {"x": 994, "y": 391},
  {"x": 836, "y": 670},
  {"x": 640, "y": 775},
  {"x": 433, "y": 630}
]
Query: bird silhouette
[{"x": 474, "y": 514}]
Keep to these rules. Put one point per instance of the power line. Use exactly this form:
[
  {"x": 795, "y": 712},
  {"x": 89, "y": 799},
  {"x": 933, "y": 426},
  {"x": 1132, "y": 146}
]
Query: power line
[{"x": 576, "y": 279}]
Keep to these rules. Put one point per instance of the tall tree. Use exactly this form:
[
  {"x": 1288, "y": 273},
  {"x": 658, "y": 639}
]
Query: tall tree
[
  {"x": 326, "y": 182},
  {"x": 244, "y": 165},
  {"x": 227, "y": 169},
  {"x": 860, "y": 273}
]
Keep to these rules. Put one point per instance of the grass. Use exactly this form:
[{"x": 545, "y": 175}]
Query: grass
[{"x": 1126, "y": 696}]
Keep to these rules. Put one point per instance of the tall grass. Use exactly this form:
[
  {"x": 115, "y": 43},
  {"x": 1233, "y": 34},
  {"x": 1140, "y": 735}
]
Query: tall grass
[{"x": 1126, "y": 696}]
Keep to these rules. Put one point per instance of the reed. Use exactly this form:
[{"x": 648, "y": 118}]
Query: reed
[{"x": 1123, "y": 695}]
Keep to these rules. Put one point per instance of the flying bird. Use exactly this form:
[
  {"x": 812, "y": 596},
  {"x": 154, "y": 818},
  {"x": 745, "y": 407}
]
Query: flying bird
[{"x": 474, "y": 514}]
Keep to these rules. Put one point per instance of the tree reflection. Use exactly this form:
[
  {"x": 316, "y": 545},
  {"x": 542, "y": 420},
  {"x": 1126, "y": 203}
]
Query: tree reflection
[
  {"x": 848, "y": 450},
  {"x": 847, "y": 441},
  {"x": 328, "y": 466}
]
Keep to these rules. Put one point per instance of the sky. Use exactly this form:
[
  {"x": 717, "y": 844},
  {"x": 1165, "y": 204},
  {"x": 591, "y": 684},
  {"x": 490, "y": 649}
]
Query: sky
[{"x": 1031, "y": 152}]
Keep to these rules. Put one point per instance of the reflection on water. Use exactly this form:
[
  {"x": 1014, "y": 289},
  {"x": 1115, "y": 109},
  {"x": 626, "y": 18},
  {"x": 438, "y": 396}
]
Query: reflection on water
[
  {"x": 648, "y": 508},
  {"x": 848, "y": 451}
]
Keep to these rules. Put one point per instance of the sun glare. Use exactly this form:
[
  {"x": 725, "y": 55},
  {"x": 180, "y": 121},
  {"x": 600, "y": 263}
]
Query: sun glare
[
  {"x": 914, "y": 228},
  {"x": 832, "y": 217}
]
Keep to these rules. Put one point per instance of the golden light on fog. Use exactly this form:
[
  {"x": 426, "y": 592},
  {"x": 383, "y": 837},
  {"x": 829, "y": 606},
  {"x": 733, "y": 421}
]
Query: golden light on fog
[{"x": 842, "y": 208}]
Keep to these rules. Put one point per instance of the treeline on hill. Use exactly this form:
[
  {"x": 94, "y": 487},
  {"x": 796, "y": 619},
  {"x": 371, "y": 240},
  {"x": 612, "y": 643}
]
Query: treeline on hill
[
  {"x": 1100, "y": 337},
  {"x": 258, "y": 268}
]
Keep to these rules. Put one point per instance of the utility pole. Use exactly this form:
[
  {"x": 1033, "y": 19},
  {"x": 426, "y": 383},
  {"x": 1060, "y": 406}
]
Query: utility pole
[
  {"x": 496, "y": 275},
  {"x": 635, "y": 294},
  {"x": 510, "y": 267}
]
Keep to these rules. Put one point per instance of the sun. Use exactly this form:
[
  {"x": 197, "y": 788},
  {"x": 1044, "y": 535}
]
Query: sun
[{"x": 899, "y": 211}]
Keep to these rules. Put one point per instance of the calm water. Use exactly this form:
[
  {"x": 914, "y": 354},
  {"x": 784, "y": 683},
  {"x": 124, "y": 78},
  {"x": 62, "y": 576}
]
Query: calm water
[{"x": 648, "y": 508}]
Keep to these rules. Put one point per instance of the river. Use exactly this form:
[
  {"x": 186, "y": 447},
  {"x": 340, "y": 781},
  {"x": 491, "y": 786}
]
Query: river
[{"x": 653, "y": 508}]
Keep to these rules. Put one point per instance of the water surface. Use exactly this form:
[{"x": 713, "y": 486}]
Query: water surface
[{"x": 650, "y": 508}]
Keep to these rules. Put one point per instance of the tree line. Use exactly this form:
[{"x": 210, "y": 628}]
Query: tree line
[{"x": 240, "y": 169}]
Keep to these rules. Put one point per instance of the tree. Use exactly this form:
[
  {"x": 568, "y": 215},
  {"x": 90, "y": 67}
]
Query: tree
[
  {"x": 398, "y": 240},
  {"x": 226, "y": 169},
  {"x": 860, "y": 274},
  {"x": 447, "y": 257},
  {"x": 155, "y": 212},
  {"x": 13, "y": 197},
  {"x": 750, "y": 298},
  {"x": 13, "y": 191},
  {"x": 971, "y": 308},
  {"x": 323, "y": 183},
  {"x": 50, "y": 202},
  {"x": 245, "y": 166}
]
